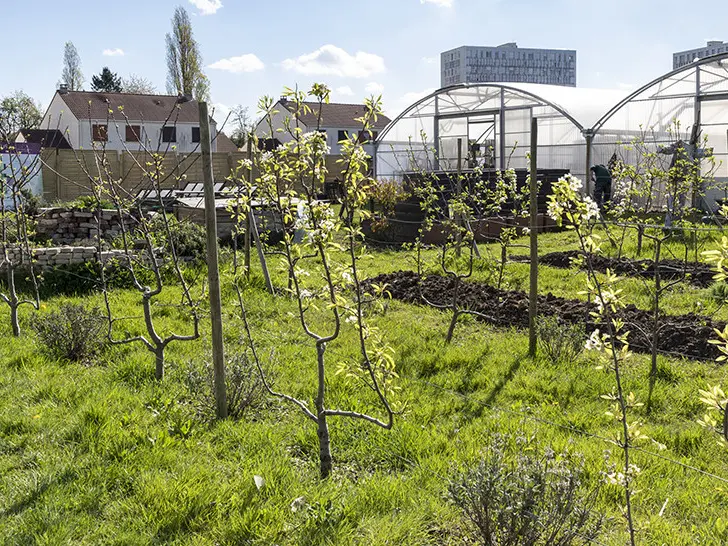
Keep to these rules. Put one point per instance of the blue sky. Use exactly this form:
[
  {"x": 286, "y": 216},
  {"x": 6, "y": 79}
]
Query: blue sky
[{"x": 252, "y": 48}]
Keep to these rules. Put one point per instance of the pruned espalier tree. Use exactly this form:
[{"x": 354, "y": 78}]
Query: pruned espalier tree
[
  {"x": 321, "y": 251},
  {"x": 17, "y": 170},
  {"x": 150, "y": 254}
]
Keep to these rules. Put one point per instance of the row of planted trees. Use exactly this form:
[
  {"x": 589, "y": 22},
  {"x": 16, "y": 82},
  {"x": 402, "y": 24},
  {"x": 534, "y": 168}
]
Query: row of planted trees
[{"x": 319, "y": 238}]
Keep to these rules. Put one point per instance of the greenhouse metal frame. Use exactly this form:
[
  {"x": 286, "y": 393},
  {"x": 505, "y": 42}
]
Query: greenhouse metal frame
[{"x": 577, "y": 127}]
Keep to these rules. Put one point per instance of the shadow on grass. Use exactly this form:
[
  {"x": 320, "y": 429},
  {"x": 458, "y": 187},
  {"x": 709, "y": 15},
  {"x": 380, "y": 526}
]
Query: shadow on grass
[
  {"x": 507, "y": 378},
  {"x": 19, "y": 506}
]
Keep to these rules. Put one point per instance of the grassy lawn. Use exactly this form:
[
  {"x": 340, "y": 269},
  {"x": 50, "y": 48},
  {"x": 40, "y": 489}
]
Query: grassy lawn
[{"x": 104, "y": 454}]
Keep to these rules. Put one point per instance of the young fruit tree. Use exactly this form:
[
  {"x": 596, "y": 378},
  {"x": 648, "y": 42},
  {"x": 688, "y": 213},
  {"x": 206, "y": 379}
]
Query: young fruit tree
[
  {"x": 150, "y": 241},
  {"x": 17, "y": 170},
  {"x": 291, "y": 177}
]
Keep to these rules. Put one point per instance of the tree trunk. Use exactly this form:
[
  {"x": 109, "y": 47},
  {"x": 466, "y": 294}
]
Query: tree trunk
[
  {"x": 455, "y": 311},
  {"x": 13, "y": 303},
  {"x": 640, "y": 231},
  {"x": 325, "y": 461},
  {"x": 159, "y": 362},
  {"x": 323, "y": 426},
  {"x": 656, "y": 309}
]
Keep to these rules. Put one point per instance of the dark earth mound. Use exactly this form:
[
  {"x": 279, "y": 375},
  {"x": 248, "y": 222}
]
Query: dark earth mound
[
  {"x": 695, "y": 273},
  {"x": 685, "y": 335}
]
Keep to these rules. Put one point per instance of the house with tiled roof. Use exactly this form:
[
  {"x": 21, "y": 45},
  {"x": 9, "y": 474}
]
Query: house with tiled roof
[
  {"x": 336, "y": 120},
  {"x": 127, "y": 121}
]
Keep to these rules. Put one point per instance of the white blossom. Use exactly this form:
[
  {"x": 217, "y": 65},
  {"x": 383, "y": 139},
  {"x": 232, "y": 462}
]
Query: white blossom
[
  {"x": 594, "y": 343},
  {"x": 592, "y": 210}
]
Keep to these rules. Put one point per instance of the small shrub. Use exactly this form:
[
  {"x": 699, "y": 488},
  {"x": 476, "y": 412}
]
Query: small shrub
[
  {"x": 188, "y": 238},
  {"x": 245, "y": 390},
  {"x": 560, "y": 342},
  {"x": 89, "y": 203},
  {"x": 30, "y": 203},
  {"x": 534, "y": 500},
  {"x": 73, "y": 332},
  {"x": 719, "y": 291}
]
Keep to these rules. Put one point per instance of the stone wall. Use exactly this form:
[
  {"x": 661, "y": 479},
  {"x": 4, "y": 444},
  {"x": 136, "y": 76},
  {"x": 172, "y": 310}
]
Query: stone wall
[
  {"x": 64, "y": 226},
  {"x": 45, "y": 258}
]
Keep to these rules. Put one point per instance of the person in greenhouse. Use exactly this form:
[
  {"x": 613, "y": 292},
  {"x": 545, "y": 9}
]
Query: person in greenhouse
[
  {"x": 602, "y": 179},
  {"x": 683, "y": 173}
]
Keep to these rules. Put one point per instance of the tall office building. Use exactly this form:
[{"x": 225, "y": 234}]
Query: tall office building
[
  {"x": 507, "y": 63},
  {"x": 681, "y": 58}
]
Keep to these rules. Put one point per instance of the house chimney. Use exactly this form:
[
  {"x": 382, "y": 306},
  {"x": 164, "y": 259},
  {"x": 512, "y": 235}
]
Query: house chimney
[{"x": 63, "y": 88}]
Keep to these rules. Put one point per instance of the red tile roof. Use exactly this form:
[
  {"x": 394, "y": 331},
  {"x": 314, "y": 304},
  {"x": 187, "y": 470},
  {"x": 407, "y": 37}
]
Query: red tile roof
[
  {"x": 142, "y": 108},
  {"x": 338, "y": 115}
]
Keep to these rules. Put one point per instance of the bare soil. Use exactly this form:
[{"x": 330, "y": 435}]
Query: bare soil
[{"x": 685, "y": 335}]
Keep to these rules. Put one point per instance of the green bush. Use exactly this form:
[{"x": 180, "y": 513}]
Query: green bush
[
  {"x": 89, "y": 203},
  {"x": 534, "y": 500},
  {"x": 74, "y": 332},
  {"x": 189, "y": 239}
]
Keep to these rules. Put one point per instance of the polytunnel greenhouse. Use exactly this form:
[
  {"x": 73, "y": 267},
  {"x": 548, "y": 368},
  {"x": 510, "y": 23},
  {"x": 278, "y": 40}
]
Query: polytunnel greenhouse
[{"x": 577, "y": 127}]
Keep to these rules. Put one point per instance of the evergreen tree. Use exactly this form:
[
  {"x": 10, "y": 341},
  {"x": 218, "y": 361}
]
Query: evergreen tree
[{"x": 107, "y": 82}]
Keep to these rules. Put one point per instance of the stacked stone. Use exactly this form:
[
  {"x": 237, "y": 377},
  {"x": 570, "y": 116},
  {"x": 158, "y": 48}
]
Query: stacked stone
[
  {"x": 45, "y": 258},
  {"x": 67, "y": 226}
]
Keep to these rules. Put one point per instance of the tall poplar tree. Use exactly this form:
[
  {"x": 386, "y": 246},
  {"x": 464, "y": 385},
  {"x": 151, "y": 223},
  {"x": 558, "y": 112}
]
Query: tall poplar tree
[{"x": 184, "y": 61}]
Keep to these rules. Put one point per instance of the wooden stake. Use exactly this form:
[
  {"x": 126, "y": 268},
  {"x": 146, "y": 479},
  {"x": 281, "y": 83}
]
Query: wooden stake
[
  {"x": 533, "y": 223},
  {"x": 250, "y": 209},
  {"x": 213, "y": 266}
]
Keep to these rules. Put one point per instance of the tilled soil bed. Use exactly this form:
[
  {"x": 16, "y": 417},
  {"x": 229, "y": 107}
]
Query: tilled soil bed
[
  {"x": 686, "y": 335},
  {"x": 695, "y": 273}
]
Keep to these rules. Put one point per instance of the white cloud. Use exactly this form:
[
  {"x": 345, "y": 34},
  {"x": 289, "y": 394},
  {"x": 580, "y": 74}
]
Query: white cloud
[
  {"x": 374, "y": 88},
  {"x": 441, "y": 3},
  {"x": 330, "y": 60},
  {"x": 344, "y": 91},
  {"x": 238, "y": 65},
  {"x": 207, "y": 7},
  {"x": 431, "y": 60},
  {"x": 116, "y": 52},
  {"x": 220, "y": 113}
]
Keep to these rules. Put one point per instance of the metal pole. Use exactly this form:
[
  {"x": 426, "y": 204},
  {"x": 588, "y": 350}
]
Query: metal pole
[
  {"x": 502, "y": 130},
  {"x": 589, "y": 136},
  {"x": 533, "y": 296},
  {"x": 459, "y": 189},
  {"x": 250, "y": 208},
  {"x": 213, "y": 268}
]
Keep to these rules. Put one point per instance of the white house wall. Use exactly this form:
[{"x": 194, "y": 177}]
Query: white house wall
[
  {"x": 59, "y": 116},
  {"x": 150, "y": 136},
  {"x": 278, "y": 123}
]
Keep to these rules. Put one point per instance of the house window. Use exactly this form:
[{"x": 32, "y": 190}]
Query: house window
[
  {"x": 169, "y": 134},
  {"x": 343, "y": 135},
  {"x": 367, "y": 136},
  {"x": 195, "y": 134},
  {"x": 133, "y": 133},
  {"x": 100, "y": 133}
]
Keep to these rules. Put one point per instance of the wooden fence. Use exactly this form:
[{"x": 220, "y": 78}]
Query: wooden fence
[{"x": 68, "y": 174}]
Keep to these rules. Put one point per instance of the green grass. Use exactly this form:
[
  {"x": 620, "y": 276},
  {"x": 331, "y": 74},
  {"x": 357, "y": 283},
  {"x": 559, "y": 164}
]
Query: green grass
[{"x": 103, "y": 454}]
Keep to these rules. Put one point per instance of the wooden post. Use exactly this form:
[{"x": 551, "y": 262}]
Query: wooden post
[
  {"x": 533, "y": 296},
  {"x": 261, "y": 254},
  {"x": 213, "y": 267},
  {"x": 248, "y": 223}
]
